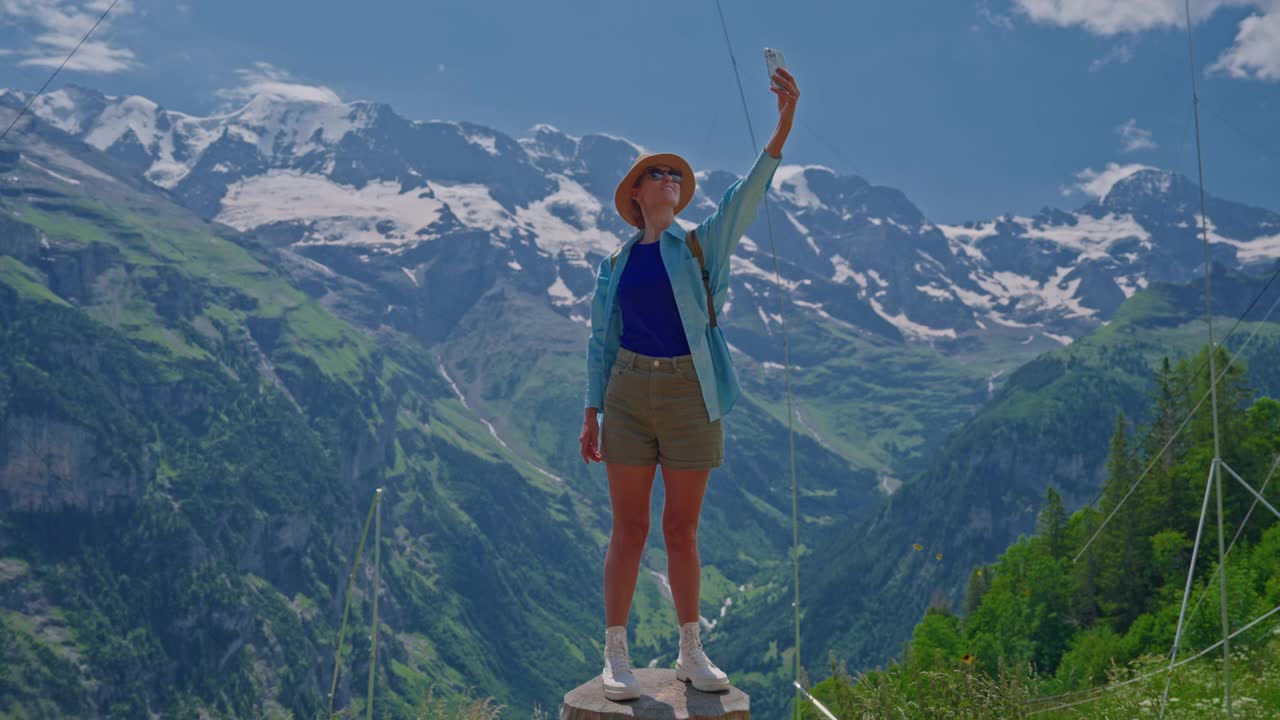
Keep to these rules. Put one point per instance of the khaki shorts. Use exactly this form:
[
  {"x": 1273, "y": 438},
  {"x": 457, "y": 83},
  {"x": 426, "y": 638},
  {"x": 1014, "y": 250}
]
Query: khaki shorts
[{"x": 654, "y": 414}]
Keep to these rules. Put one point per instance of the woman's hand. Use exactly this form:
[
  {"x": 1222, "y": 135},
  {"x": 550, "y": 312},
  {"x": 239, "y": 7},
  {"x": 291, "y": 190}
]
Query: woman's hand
[
  {"x": 589, "y": 439},
  {"x": 788, "y": 93}
]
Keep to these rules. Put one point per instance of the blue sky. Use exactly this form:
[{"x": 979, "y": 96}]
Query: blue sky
[{"x": 972, "y": 107}]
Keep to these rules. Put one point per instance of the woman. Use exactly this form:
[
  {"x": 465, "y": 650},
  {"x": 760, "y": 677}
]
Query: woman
[{"x": 660, "y": 378}]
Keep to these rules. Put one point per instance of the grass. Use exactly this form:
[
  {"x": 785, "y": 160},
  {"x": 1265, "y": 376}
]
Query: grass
[
  {"x": 1196, "y": 693},
  {"x": 954, "y": 689},
  {"x": 63, "y": 226},
  {"x": 888, "y": 399},
  {"x": 25, "y": 281},
  {"x": 336, "y": 349}
]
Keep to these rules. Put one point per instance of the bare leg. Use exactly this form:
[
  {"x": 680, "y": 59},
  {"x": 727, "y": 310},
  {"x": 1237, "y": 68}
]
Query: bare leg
[
  {"x": 629, "y": 491},
  {"x": 684, "y": 490}
]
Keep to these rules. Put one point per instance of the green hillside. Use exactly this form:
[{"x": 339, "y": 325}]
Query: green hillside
[
  {"x": 1056, "y": 616},
  {"x": 1048, "y": 425},
  {"x": 192, "y": 444}
]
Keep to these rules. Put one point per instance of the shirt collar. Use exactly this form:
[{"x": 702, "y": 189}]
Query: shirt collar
[{"x": 673, "y": 231}]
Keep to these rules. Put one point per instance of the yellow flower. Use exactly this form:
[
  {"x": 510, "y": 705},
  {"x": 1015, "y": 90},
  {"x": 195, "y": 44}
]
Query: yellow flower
[
  {"x": 918, "y": 546},
  {"x": 979, "y": 572},
  {"x": 967, "y": 658},
  {"x": 939, "y": 556}
]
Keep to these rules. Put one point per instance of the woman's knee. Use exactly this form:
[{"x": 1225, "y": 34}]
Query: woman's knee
[
  {"x": 630, "y": 533},
  {"x": 680, "y": 536}
]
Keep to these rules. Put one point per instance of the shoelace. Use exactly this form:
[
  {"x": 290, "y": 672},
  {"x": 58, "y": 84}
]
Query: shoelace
[
  {"x": 693, "y": 650},
  {"x": 619, "y": 662}
]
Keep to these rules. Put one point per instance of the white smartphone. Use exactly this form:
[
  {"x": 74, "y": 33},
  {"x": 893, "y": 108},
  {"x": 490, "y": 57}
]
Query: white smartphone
[{"x": 774, "y": 60}]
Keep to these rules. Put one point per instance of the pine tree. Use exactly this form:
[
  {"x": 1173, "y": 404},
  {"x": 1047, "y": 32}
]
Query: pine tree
[
  {"x": 1052, "y": 523},
  {"x": 1123, "y": 551},
  {"x": 1166, "y": 447},
  {"x": 979, "y": 584},
  {"x": 1085, "y": 603}
]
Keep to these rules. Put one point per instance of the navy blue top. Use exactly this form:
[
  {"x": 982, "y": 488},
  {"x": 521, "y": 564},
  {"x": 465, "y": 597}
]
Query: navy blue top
[{"x": 650, "y": 319}]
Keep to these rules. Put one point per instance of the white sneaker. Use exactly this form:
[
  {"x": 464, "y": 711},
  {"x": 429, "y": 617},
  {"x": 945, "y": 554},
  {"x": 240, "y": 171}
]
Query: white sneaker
[
  {"x": 694, "y": 665},
  {"x": 619, "y": 680}
]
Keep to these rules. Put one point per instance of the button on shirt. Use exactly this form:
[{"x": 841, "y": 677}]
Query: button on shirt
[{"x": 650, "y": 317}]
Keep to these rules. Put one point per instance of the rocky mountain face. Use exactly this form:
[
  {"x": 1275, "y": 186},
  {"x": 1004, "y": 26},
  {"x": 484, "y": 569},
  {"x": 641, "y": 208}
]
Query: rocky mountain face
[
  {"x": 415, "y": 296},
  {"x": 415, "y": 225},
  {"x": 370, "y": 191}
]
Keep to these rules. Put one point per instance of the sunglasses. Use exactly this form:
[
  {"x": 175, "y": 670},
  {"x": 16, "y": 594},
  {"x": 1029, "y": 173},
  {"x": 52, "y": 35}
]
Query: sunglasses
[{"x": 657, "y": 174}]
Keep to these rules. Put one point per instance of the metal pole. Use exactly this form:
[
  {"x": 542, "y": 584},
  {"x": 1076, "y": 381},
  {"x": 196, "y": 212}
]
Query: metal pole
[
  {"x": 1213, "y": 375},
  {"x": 1186, "y": 590},
  {"x": 377, "y": 565},
  {"x": 1255, "y": 493}
]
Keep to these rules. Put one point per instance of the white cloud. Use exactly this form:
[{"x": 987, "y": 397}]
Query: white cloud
[
  {"x": 1121, "y": 53},
  {"x": 1256, "y": 52},
  {"x": 58, "y": 25},
  {"x": 1097, "y": 183},
  {"x": 268, "y": 80},
  {"x": 991, "y": 17},
  {"x": 1112, "y": 17},
  {"x": 1134, "y": 138}
]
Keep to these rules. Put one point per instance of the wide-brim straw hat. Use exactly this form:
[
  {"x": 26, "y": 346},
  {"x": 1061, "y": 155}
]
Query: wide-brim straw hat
[{"x": 622, "y": 198}]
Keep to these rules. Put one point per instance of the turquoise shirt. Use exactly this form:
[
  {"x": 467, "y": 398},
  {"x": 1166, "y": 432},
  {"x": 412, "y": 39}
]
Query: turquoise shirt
[{"x": 718, "y": 235}]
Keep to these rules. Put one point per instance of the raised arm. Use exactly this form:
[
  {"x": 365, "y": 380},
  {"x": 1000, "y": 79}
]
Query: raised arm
[
  {"x": 720, "y": 233},
  {"x": 788, "y": 95}
]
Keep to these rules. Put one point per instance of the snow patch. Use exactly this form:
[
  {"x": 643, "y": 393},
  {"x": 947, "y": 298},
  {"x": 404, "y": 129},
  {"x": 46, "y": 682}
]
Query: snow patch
[
  {"x": 843, "y": 271},
  {"x": 555, "y": 235},
  {"x": 338, "y": 214},
  {"x": 740, "y": 266},
  {"x": 1090, "y": 236},
  {"x": 796, "y": 223},
  {"x": 1064, "y": 339},
  {"x": 1248, "y": 251},
  {"x": 822, "y": 313},
  {"x": 935, "y": 292},
  {"x": 133, "y": 113},
  {"x": 560, "y": 293},
  {"x": 487, "y": 142},
  {"x": 474, "y": 206},
  {"x": 56, "y": 176},
  {"x": 790, "y": 184},
  {"x": 911, "y": 328}
]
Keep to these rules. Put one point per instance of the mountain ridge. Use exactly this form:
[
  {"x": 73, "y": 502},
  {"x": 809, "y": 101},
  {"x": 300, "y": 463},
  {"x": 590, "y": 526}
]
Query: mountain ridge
[{"x": 319, "y": 165}]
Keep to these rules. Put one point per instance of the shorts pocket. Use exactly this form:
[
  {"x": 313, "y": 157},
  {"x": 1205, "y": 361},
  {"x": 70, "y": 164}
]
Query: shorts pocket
[{"x": 688, "y": 374}]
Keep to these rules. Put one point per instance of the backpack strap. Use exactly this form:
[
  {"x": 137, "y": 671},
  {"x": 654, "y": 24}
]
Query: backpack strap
[{"x": 696, "y": 248}]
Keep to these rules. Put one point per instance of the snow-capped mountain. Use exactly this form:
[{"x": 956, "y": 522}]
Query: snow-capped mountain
[{"x": 368, "y": 193}]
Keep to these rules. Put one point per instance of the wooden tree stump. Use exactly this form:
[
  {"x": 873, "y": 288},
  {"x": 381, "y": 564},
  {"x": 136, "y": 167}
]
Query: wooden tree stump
[{"x": 662, "y": 697}]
